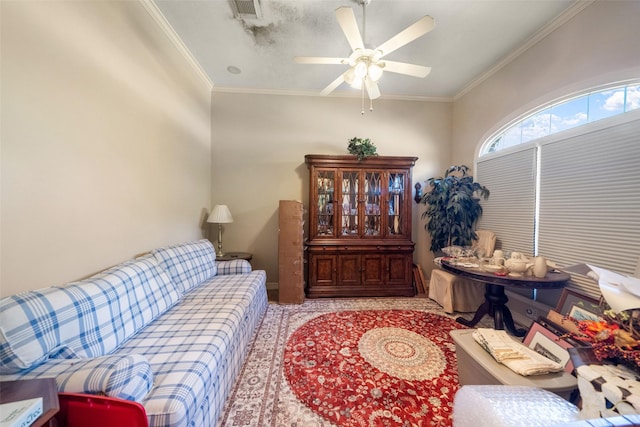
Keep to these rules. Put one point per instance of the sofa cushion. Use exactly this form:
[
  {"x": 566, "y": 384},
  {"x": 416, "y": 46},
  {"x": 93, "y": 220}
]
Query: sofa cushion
[
  {"x": 84, "y": 319},
  {"x": 149, "y": 290},
  {"x": 126, "y": 377},
  {"x": 189, "y": 264}
]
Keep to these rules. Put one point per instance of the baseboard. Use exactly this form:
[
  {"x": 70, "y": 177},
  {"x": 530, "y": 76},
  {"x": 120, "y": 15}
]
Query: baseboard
[{"x": 525, "y": 310}]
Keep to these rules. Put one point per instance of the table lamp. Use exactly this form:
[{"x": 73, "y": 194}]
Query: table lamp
[{"x": 220, "y": 215}]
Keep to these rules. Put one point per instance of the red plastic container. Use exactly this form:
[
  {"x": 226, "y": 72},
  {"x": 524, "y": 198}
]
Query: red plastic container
[{"x": 82, "y": 410}]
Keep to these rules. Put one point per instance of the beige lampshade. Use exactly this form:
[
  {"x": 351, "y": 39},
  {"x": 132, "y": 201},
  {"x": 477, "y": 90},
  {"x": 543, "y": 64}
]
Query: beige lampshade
[{"x": 220, "y": 215}]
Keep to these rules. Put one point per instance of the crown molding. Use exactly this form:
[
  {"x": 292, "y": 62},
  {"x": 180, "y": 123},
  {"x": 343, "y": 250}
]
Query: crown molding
[
  {"x": 577, "y": 7},
  {"x": 167, "y": 29},
  {"x": 354, "y": 95}
]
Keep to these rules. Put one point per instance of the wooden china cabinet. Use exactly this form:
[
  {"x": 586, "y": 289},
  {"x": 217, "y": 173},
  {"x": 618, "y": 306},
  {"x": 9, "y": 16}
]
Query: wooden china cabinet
[{"x": 359, "y": 226}]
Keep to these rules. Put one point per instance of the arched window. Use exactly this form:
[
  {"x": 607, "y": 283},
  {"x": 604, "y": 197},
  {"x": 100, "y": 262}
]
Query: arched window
[
  {"x": 566, "y": 114},
  {"x": 571, "y": 196}
]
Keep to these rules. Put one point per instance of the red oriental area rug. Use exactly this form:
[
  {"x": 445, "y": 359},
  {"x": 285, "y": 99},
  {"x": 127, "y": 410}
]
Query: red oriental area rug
[
  {"x": 383, "y": 376},
  {"x": 375, "y": 367}
]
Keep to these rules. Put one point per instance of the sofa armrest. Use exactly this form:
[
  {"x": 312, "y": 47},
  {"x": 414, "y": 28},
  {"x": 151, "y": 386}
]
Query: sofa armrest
[
  {"x": 126, "y": 377},
  {"x": 235, "y": 266}
]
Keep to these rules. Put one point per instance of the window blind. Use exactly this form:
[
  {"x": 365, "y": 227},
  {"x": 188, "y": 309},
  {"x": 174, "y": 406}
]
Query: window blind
[
  {"x": 590, "y": 200},
  {"x": 510, "y": 209}
]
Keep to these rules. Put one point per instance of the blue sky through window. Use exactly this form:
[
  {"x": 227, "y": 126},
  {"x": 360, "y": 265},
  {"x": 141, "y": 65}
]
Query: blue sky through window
[{"x": 566, "y": 115}]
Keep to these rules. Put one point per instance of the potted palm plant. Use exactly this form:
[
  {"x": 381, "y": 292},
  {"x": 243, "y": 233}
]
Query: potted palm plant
[{"x": 453, "y": 207}]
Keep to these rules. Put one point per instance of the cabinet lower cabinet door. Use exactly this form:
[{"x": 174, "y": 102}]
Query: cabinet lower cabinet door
[
  {"x": 352, "y": 275},
  {"x": 349, "y": 270},
  {"x": 323, "y": 270},
  {"x": 400, "y": 269},
  {"x": 373, "y": 271}
]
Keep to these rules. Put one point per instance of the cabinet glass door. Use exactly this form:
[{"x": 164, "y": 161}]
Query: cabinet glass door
[
  {"x": 349, "y": 208},
  {"x": 397, "y": 182},
  {"x": 326, "y": 208},
  {"x": 372, "y": 191}
]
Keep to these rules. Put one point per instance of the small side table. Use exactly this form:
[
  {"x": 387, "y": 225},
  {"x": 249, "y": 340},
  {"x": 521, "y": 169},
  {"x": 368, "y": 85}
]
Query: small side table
[
  {"x": 13, "y": 391},
  {"x": 230, "y": 256}
]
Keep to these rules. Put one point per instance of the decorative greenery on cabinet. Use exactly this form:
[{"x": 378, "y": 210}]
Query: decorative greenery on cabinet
[{"x": 361, "y": 147}]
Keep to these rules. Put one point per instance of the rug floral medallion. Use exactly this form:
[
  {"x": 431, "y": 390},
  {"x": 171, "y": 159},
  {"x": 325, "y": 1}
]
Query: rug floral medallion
[{"x": 348, "y": 362}]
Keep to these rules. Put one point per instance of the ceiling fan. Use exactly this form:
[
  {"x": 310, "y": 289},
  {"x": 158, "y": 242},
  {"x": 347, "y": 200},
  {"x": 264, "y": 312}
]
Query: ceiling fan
[{"x": 366, "y": 65}]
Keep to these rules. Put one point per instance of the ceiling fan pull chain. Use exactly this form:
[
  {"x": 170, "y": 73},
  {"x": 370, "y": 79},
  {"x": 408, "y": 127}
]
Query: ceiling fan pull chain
[
  {"x": 362, "y": 106},
  {"x": 370, "y": 104}
]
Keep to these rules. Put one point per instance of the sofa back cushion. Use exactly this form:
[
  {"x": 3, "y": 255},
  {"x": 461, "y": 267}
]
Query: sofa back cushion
[
  {"x": 88, "y": 318},
  {"x": 189, "y": 264},
  {"x": 149, "y": 291}
]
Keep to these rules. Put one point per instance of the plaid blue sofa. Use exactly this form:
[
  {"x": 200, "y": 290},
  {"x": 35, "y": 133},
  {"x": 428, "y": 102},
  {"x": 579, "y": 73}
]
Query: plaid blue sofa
[{"x": 170, "y": 329}]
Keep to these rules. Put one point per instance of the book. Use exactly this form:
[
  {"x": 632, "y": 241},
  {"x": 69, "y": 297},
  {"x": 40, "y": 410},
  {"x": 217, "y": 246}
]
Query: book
[{"x": 21, "y": 413}]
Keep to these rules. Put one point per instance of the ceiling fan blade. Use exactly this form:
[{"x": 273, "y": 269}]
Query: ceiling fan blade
[
  {"x": 319, "y": 60},
  {"x": 347, "y": 20},
  {"x": 409, "y": 34},
  {"x": 334, "y": 84},
  {"x": 372, "y": 89},
  {"x": 408, "y": 69}
]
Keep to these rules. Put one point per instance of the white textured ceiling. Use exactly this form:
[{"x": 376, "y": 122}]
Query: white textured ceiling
[{"x": 470, "y": 38}]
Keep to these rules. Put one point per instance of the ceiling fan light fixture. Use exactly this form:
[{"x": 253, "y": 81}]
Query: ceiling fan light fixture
[
  {"x": 374, "y": 72},
  {"x": 356, "y": 83},
  {"x": 360, "y": 70}
]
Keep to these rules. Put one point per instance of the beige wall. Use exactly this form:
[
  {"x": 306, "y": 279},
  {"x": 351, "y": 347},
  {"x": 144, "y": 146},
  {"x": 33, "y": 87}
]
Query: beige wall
[
  {"x": 599, "y": 45},
  {"x": 111, "y": 144},
  {"x": 105, "y": 140},
  {"x": 260, "y": 142}
]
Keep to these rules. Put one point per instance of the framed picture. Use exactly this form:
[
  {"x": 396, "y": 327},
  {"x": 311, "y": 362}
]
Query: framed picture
[
  {"x": 570, "y": 299},
  {"x": 559, "y": 321},
  {"x": 580, "y": 313},
  {"x": 548, "y": 344}
]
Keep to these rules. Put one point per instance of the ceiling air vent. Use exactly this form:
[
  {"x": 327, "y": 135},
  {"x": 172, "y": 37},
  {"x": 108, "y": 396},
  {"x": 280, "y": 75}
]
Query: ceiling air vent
[{"x": 247, "y": 9}]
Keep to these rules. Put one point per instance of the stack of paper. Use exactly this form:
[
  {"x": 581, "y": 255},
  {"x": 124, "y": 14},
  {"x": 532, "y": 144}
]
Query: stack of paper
[
  {"x": 514, "y": 355},
  {"x": 619, "y": 291}
]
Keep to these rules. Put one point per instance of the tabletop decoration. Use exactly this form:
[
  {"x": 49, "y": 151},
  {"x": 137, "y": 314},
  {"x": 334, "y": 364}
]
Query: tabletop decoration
[{"x": 609, "y": 340}]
